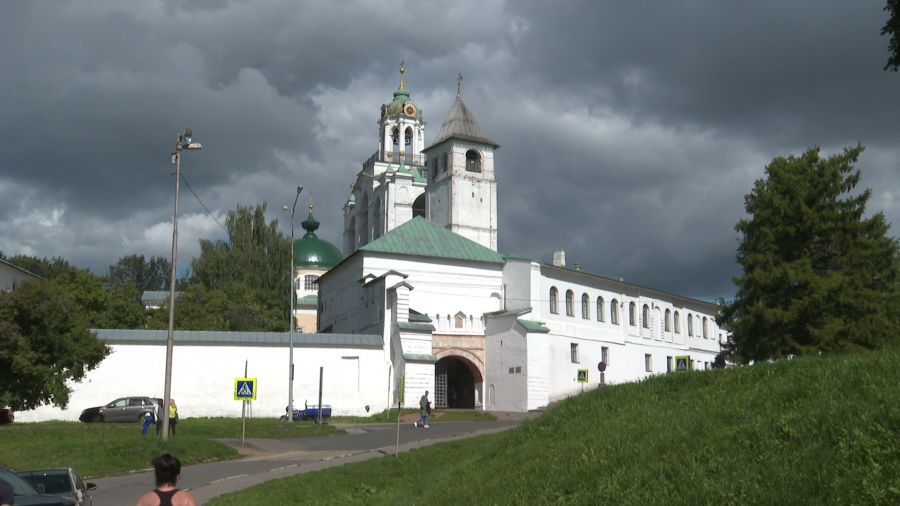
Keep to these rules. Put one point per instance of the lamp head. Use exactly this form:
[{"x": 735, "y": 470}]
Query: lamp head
[
  {"x": 188, "y": 135},
  {"x": 299, "y": 189}
]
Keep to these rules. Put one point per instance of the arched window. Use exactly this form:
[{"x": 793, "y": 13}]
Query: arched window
[
  {"x": 585, "y": 306},
  {"x": 407, "y": 136},
  {"x": 554, "y": 300},
  {"x": 473, "y": 161},
  {"x": 645, "y": 316},
  {"x": 677, "y": 323},
  {"x": 632, "y": 314},
  {"x": 570, "y": 303},
  {"x": 705, "y": 329},
  {"x": 614, "y": 312},
  {"x": 419, "y": 206},
  {"x": 690, "y": 325},
  {"x": 395, "y": 135},
  {"x": 668, "y": 321},
  {"x": 600, "y": 309},
  {"x": 310, "y": 282}
]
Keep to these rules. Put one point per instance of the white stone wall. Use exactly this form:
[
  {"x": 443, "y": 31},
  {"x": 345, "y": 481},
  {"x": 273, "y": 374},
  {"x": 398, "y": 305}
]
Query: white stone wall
[
  {"x": 419, "y": 378},
  {"x": 538, "y": 370},
  {"x": 505, "y": 349},
  {"x": 203, "y": 380}
]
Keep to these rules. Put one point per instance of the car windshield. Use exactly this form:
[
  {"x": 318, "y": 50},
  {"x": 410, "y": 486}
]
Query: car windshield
[
  {"x": 51, "y": 481},
  {"x": 19, "y": 486}
]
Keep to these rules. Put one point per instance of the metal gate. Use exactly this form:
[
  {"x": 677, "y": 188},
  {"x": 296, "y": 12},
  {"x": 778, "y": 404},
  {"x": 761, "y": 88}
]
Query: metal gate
[{"x": 440, "y": 384}]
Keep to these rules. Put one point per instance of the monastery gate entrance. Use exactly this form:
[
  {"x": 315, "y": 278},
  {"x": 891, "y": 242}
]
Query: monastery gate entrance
[{"x": 459, "y": 371}]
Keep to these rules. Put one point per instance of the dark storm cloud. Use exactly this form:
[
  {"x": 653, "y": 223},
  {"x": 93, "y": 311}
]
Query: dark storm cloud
[{"x": 630, "y": 133}]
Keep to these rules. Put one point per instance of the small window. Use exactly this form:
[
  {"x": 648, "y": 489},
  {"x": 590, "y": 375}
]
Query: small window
[
  {"x": 518, "y": 369},
  {"x": 444, "y": 163},
  {"x": 311, "y": 282},
  {"x": 573, "y": 348},
  {"x": 690, "y": 325},
  {"x": 614, "y": 312},
  {"x": 554, "y": 300},
  {"x": 585, "y": 306},
  {"x": 434, "y": 169},
  {"x": 669, "y": 364},
  {"x": 570, "y": 303},
  {"x": 645, "y": 317},
  {"x": 600, "y": 309},
  {"x": 705, "y": 329},
  {"x": 512, "y": 370},
  {"x": 604, "y": 355},
  {"x": 459, "y": 321},
  {"x": 668, "y": 321},
  {"x": 677, "y": 323},
  {"x": 648, "y": 362},
  {"x": 632, "y": 314},
  {"x": 473, "y": 161}
]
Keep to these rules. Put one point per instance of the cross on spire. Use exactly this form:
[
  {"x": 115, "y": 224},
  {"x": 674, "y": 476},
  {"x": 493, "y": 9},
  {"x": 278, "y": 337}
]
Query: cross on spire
[
  {"x": 458, "y": 84},
  {"x": 402, "y": 71}
]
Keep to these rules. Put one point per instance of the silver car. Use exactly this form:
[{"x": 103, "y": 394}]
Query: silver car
[{"x": 125, "y": 409}]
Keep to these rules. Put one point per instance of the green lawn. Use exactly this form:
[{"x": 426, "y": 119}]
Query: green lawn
[
  {"x": 804, "y": 431},
  {"x": 99, "y": 449}
]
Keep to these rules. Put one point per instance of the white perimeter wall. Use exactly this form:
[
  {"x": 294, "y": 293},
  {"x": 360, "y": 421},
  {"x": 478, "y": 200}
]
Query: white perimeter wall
[{"x": 203, "y": 380}]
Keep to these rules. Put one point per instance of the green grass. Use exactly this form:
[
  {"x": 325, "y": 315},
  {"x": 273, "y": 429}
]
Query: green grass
[
  {"x": 805, "y": 431},
  {"x": 99, "y": 449}
]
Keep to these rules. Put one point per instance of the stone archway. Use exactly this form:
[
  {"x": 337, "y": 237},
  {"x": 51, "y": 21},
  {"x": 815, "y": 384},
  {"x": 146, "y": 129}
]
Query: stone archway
[{"x": 457, "y": 383}]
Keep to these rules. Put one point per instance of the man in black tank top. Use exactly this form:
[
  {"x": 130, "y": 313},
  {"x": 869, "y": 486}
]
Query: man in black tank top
[{"x": 167, "y": 470}]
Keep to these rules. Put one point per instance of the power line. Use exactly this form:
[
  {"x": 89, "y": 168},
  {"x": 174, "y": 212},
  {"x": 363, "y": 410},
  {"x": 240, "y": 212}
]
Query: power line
[{"x": 208, "y": 213}]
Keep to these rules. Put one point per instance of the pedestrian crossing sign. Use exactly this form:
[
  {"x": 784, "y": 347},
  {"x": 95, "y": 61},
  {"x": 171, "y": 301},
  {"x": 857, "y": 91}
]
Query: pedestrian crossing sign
[{"x": 245, "y": 389}]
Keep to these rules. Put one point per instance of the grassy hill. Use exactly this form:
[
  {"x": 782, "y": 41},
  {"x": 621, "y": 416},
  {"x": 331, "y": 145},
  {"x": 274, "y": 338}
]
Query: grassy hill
[{"x": 805, "y": 431}]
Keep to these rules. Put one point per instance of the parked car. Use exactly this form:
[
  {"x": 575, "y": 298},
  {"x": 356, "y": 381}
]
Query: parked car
[
  {"x": 124, "y": 409},
  {"x": 26, "y": 495},
  {"x": 64, "y": 482},
  {"x": 6, "y": 415}
]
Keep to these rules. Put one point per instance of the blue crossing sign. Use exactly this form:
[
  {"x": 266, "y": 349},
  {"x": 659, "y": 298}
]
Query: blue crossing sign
[{"x": 245, "y": 389}]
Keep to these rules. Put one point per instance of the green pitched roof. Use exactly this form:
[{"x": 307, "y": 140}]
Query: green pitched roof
[{"x": 421, "y": 237}]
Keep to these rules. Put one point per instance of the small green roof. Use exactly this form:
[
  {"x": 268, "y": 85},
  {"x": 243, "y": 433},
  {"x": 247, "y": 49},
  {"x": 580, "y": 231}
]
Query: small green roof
[
  {"x": 421, "y": 237},
  {"x": 533, "y": 326}
]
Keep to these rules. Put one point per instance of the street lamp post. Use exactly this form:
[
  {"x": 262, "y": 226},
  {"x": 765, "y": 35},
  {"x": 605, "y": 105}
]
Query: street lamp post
[
  {"x": 184, "y": 141},
  {"x": 292, "y": 294}
]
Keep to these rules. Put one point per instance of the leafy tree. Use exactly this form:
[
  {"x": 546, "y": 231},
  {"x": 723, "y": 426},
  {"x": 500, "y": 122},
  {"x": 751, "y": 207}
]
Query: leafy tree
[
  {"x": 892, "y": 29},
  {"x": 144, "y": 274},
  {"x": 47, "y": 268},
  {"x": 818, "y": 277},
  {"x": 44, "y": 342}
]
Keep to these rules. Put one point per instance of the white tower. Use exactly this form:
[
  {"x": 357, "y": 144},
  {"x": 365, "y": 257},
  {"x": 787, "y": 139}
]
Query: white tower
[
  {"x": 390, "y": 188},
  {"x": 462, "y": 191}
]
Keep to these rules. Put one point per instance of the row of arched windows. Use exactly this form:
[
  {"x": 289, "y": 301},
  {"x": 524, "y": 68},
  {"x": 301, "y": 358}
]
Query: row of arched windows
[{"x": 670, "y": 324}]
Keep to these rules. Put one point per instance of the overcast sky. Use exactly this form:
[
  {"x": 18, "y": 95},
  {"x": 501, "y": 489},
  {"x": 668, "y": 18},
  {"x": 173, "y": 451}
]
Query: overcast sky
[{"x": 629, "y": 131}]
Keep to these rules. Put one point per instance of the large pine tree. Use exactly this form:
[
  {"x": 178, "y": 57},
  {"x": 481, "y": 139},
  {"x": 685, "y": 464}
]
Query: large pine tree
[{"x": 819, "y": 276}]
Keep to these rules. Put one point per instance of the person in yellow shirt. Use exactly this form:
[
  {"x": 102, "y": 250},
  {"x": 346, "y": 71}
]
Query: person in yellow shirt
[{"x": 173, "y": 415}]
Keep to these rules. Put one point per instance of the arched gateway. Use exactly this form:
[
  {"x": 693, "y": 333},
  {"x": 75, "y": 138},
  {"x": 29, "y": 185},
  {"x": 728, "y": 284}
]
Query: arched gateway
[{"x": 457, "y": 383}]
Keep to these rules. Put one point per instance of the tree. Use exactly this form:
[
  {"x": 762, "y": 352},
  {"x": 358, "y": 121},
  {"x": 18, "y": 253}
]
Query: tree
[
  {"x": 144, "y": 274},
  {"x": 818, "y": 277},
  {"x": 892, "y": 29},
  {"x": 44, "y": 342}
]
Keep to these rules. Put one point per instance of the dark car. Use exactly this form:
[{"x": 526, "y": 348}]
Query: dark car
[
  {"x": 6, "y": 415},
  {"x": 26, "y": 495},
  {"x": 63, "y": 482},
  {"x": 124, "y": 409}
]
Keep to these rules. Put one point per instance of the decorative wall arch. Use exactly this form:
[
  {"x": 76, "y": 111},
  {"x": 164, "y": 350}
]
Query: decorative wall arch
[{"x": 471, "y": 359}]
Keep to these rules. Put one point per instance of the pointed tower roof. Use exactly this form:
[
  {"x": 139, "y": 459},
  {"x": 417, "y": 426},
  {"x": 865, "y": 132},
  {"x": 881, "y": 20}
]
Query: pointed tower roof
[{"x": 460, "y": 123}]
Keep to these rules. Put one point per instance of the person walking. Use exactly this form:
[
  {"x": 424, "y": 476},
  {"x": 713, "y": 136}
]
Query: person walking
[
  {"x": 167, "y": 470},
  {"x": 146, "y": 421},
  {"x": 424, "y": 410}
]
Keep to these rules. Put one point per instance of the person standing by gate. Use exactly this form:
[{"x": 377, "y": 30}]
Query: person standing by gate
[{"x": 424, "y": 410}]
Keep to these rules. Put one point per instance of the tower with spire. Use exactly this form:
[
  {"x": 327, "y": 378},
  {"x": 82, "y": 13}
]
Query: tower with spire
[{"x": 462, "y": 191}]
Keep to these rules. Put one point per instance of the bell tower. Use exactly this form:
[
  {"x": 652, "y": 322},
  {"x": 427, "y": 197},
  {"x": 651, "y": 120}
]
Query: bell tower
[
  {"x": 462, "y": 191},
  {"x": 390, "y": 188}
]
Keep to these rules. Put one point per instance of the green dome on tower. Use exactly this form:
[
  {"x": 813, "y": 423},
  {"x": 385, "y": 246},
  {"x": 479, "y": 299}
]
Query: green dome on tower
[{"x": 313, "y": 253}]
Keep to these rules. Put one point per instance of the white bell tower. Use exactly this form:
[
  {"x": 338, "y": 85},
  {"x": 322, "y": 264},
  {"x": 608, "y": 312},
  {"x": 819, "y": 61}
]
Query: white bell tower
[{"x": 462, "y": 191}]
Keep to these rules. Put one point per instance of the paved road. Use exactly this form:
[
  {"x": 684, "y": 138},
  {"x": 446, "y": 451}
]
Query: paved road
[{"x": 268, "y": 459}]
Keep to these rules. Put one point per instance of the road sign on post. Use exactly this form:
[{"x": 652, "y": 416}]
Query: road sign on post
[
  {"x": 582, "y": 375},
  {"x": 682, "y": 363},
  {"x": 245, "y": 389}
]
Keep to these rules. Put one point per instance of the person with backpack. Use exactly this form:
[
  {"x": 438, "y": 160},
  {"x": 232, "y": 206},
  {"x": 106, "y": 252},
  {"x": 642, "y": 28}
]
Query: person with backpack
[{"x": 424, "y": 410}]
